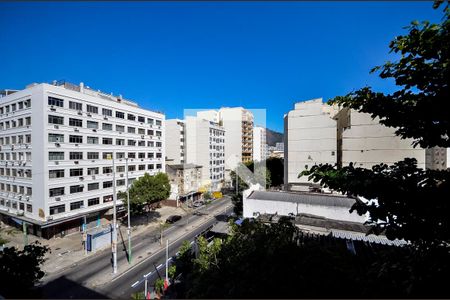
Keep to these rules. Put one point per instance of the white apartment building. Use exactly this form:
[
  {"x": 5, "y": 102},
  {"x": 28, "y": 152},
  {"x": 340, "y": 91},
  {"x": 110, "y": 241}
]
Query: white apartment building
[
  {"x": 205, "y": 146},
  {"x": 56, "y": 142},
  {"x": 318, "y": 133},
  {"x": 238, "y": 124},
  {"x": 259, "y": 143},
  {"x": 175, "y": 130}
]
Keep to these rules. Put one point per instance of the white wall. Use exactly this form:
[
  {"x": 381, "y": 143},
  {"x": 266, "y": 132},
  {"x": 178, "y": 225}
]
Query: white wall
[{"x": 283, "y": 208}]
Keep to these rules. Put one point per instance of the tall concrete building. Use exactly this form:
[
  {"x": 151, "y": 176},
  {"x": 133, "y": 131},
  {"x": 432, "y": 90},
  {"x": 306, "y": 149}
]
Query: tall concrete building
[
  {"x": 175, "y": 141},
  {"x": 317, "y": 133},
  {"x": 238, "y": 124},
  {"x": 56, "y": 141},
  {"x": 259, "y": 143},
  {"x": 205, "y": 146}
]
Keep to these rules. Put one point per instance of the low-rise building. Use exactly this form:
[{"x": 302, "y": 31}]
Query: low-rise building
[{"x": 185, "y": 181}]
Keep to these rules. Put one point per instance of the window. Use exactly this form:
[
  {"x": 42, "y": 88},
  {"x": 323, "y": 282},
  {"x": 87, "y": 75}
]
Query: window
[
  {"x": 131, "y": 142},
  {"x": 107, "y": 112},
  {"x": 92, "y": 171},
  {"x": 55, "y": 101},
  {"x": 158, "y": 144},
  {"x": 141, "y": 143},
  {"x": 150, "y": 155},
  {"x": 56, "y": 191},
  {"x": 131, "y": 155},
  {"x": 107, "y": 126},
  {"x": 76, "y": 189},
  {"x": 107, "y": 141},
  {"x": 28, "y": 121},
  {"x": 151, "y": 167},
  {"x": 141, "y": 119},
  {"x": 131, "y": 168},
  {"x": 158, "y": 133},
  {"x": 131, "y": 129},
  {"x": 150, "y": 121},
  {"x": 108, "y": 198},
  {"x": 57, "y": 209},
  {"x": 159, "y": 166},
  {"x": 107, "y": 170},
  {"x": 107, "y": 184},
  {"x": 55, "y": 120},
  {"x": 120, "y": 115},
  {"x": 141, "y": 155},
  {"x": 107, "y": 155},
  {"x": 56, "y": 156},
  {"x": 92, "y": 124},
  {"x": 55, "y": 138},
  {"x": 120, "y": 182},
  {"x": 92, "y": 140},
  {"x": 76, "y": 172},
  {"x": 29, "y": 208},
  {"x": 120, "y": 154},
  {"x": 120, "y": 128},
  {"x": 158, "y": 122},
  {"x": 75, "y": 122},
  {"x": 93, "y": 201},
  {"x": 141, "y": 167},
  {"x": 76, "y": 155},
  {"x": 131, "y": 117},
  {"x": 92, "y": 109},
  {"x": 141, "y": 131},
  {"x": 56, "y": 174},
  {"x": 120, "y": 169},
  {"x": 120, "y": 142},
  {"x": 158, "y": 155},
  {"x": 93, "y": 186},
  {"x": 76, "y": 205},
  {"x": 28, "y": 138},
  {"x": 76, "y": 139},
  {"x": 75, "y": 105},
  {"x": 92, "y": 155},
  {"x": 150, "y": 144}
]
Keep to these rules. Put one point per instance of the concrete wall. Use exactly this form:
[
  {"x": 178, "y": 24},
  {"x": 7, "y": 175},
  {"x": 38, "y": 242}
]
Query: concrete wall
[
  {"x": 283, "y": 208},
  {"x": 174, "y": 152}
]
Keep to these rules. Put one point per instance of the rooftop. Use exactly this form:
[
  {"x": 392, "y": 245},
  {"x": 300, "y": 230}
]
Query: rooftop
[
  {"x": 305, "y": 198},
  {"x": 183, "y": 166}
]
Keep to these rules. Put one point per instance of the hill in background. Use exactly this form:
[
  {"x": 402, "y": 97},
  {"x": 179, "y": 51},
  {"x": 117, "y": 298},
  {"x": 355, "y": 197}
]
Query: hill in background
[{"x": 273, "y": 137}]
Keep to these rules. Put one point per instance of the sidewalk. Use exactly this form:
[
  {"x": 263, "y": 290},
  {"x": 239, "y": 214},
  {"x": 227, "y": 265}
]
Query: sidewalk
[{"x": 68, "y": 250}]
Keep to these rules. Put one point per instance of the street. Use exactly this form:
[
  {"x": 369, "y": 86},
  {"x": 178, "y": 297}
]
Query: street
[{"x": 87, "y": 278}]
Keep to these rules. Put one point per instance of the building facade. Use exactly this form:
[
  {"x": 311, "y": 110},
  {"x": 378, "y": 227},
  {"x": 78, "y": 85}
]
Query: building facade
[
  {"x": 175, "y": 141},
  {"x": 205, "y": 146},
  {"x": 185, "y": 181},
  {"x": 316, "y": 133},
  {"x": 57, "y": 142},
  {"x": 259, "y": 144}
]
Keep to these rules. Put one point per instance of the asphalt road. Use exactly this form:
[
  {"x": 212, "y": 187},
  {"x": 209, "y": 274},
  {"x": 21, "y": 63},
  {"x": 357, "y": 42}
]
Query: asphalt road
[
  {"x": 76, "y": 282},
  {"x": 133, "y": 280}
]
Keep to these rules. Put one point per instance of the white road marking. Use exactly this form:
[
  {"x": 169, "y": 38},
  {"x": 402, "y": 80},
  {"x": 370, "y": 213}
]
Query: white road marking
[
  {"x": 148, "y": 274},
  {"x": 134, "y": 284},
  {"x": 159, "y": 266}
]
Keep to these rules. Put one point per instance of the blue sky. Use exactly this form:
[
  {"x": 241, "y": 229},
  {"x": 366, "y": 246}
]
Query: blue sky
[{"x": 172, "y": 56}]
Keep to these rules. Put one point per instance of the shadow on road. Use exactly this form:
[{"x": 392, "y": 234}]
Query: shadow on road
[
  {"x": 142, "y": 219},
  {"x": 64, "y": 288}
]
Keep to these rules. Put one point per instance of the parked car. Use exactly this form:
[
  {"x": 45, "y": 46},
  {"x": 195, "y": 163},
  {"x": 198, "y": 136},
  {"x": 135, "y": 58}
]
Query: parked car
[
  {"x": 173, "y": 219},
  {"x": 198, "y": 203}
]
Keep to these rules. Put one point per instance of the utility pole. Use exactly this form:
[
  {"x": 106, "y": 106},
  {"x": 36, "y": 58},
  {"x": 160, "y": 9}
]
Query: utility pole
[
  {"x": 25, "y": 236},
  {"x": 166, "y": 283},
  {"x": 129, "y": 212},
  {"x": 114, "y": 238}
]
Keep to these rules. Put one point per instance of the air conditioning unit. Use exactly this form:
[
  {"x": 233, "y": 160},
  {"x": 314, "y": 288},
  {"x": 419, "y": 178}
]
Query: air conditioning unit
[
  {"x": 28, "y": 198},
  {"x": 81, "y": 178},
  {"x": 121, "y": 175},
  {"x": 56, "y": 162},
  {"x": 58, "y": 199},
  {"x": 80, "y": 112},
  {"x": 56, "y": 126},
  {"x": 142, "y": 159},
  {"x": 89, "y": 114},
  {"x": 93, "y": 160},
  {"x": 76, "y": 162},
  {"x": 105, "y": 118},
  {"x": 93, "y": 177},
  {"x": 57, "y": 144},
  {"x": 27, "y": 146},
  {"x": 20, "y": 197},
  {"x": 142, "y": 136},
  {"x": 49, "y": 218},
  {"x": 76, "y": 145},
  {"x": 20, "y": 213},
  {"x": 94, "y": 130},
  {"x": 77, "y": 130}
]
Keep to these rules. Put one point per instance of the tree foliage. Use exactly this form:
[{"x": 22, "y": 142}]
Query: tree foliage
[
  {"x": 276, "y": 170},
  {"x": 411, "y": 203},
  {"x": 20, "y": 270},
  {"x": 266, "y": 261},
  {"x": 146, "y": 190}
]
